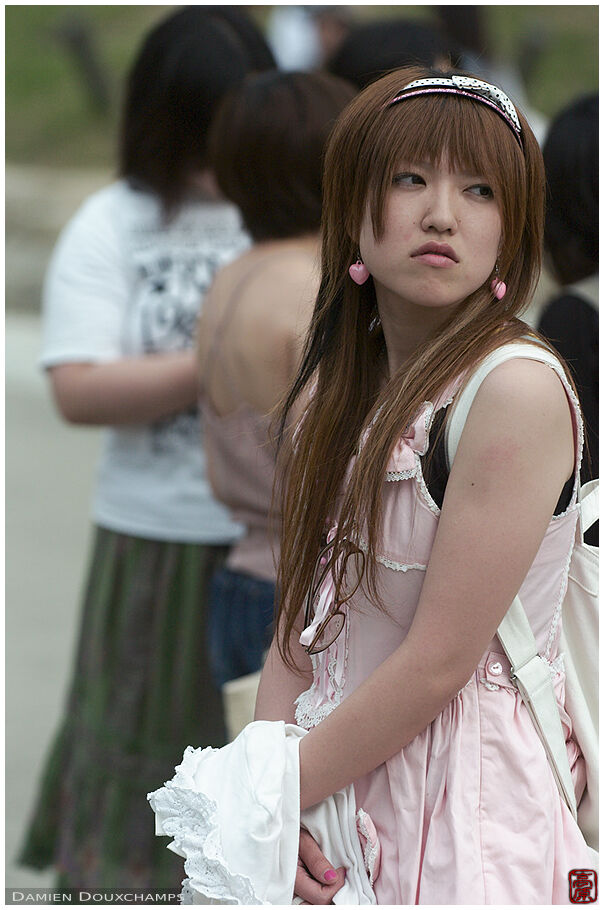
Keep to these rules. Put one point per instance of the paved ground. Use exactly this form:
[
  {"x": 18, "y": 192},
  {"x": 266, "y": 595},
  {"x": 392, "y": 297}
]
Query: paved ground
[{"x": 49, "y": 470}]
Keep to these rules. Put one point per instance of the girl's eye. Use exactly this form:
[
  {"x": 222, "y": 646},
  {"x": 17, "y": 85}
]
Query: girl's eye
[
  {"x": 407, "y": 179},
  {"x": 482, "y": 190}
]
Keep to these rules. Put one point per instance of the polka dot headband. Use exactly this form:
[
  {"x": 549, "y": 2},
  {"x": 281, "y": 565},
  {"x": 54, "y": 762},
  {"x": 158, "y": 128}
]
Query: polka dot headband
[{"x": 468, "y": 87}]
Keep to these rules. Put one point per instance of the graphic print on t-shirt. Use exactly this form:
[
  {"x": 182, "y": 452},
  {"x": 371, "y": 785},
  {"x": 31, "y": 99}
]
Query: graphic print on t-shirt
[{"x": 171, "y": 286}]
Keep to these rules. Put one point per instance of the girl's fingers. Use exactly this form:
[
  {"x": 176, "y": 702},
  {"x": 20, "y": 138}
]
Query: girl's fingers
[
  {"x": 316, "y": 880},
  {"x": 312, "y": 891},
  {"x": 318, "y": 866}
]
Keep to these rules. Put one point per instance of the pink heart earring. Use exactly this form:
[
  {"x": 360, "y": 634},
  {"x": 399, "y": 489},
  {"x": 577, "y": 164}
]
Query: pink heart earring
[
  {"x": 358, "y": 271},
  {"x": 498, "y": 287}
]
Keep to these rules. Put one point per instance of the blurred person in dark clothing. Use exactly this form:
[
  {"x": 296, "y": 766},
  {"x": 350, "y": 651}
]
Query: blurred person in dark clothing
[
  {"x": 570, "y": 320},
  {"x": 466, "y": 25}
]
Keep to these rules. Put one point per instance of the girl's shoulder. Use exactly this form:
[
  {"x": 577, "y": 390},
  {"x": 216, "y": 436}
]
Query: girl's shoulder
[
  {"x": 517, "y": 404},
  {"x": 526, "y": 375},
  {"x": 519, "y": 392},
  {"x": 524, "y": 386}
]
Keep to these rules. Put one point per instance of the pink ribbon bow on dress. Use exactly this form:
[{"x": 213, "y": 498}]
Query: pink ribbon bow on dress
[{"x": 414, "y": 439}]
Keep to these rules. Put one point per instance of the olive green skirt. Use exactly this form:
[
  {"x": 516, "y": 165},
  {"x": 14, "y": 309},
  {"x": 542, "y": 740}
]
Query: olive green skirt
[{"x": 141, "y": 692}]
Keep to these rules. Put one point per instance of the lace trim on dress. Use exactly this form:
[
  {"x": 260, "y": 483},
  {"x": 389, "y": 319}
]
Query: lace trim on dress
[
  {"x": 308, "y": 714},
  {"x": 578, "y": 423},
  {"x": 394, "y": 476},
  {"x": 580, "y": 441},
  {"x": 568, "y": 509},
  {"x": 558, "y": 608},
  {"x": 313, "y": 706},
  {"x": 400, "y": 566},
  {"x": 392, "y": 563},
  {"x": 371, "y": 847},
  {"x": 426, "y": 494},
  {"x": 556, "y": 666},
  {"x": 190, "y": 819}
]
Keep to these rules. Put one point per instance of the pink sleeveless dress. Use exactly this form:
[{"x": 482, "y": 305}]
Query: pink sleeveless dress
[{"x": 468, "y": 812}]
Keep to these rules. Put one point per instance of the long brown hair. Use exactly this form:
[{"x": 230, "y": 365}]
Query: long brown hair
[{"x": 345, "y": 342}]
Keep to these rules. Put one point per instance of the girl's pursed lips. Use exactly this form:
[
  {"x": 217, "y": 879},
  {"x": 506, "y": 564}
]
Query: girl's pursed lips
[{"x": 439, "y": 250}]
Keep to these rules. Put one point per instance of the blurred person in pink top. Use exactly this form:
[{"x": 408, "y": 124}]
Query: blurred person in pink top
[{"x": 266, "y": 148}]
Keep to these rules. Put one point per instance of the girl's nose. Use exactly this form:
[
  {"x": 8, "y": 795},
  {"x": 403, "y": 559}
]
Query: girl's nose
[{"x": 440, "y": 213}]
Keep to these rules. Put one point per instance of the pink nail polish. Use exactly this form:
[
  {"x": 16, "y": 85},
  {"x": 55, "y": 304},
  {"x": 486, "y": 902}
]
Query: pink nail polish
[{"x": 330, "y": 875}]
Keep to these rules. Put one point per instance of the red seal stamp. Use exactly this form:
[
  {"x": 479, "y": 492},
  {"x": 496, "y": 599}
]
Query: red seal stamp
[{"x": 582, "y": 886}]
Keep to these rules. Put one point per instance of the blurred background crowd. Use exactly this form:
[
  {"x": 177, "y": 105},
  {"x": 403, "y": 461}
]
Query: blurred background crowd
[{"x": 231, "y": 213}]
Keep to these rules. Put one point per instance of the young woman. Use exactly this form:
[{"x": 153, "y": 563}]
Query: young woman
[
  {"x": 266, "y": 149},
  {"x": 396, "y": 570},
  {"x": 121, "y": 302}
]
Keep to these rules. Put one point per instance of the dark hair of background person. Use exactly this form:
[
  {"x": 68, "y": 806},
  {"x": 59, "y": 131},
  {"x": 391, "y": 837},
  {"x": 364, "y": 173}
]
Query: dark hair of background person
[
  {"x": 266, "y": 149},
  {"x": 570, "y": 320},
  {"x": 183, "y": 69},
  {"x": 571, "y": 168},
  {"x": 467, "y": 26},
  {"x": 375, "y": 48}
]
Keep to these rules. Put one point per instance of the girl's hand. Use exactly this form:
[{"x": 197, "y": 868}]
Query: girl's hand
[{"x": 316, "y": 879}]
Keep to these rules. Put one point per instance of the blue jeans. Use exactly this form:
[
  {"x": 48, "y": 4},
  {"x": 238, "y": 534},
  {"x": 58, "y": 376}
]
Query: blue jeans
[{"x": 241, "y": 612}]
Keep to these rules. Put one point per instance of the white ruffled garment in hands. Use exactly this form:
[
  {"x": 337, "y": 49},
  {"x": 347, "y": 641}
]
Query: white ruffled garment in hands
[{"x": 234, "y": 816}]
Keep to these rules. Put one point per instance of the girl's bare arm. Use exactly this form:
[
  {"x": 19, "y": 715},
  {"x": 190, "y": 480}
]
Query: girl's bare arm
[{"x": 280, "y": 685}]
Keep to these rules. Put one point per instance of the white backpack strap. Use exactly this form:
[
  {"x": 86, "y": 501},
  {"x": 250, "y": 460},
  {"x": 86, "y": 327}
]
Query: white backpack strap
[
  {"x": 530, "y": 672},
  {"x": 531, "y": 675},
  {"x": 589, "y": 504}
]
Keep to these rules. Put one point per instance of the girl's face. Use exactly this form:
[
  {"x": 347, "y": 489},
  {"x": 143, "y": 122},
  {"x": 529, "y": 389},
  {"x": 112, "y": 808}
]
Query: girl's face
[{"x": 441, "y": 239}]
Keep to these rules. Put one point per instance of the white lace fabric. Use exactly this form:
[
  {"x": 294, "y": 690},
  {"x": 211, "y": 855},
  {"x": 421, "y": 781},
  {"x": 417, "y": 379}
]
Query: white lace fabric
[{"x": 191, "y": 819}]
